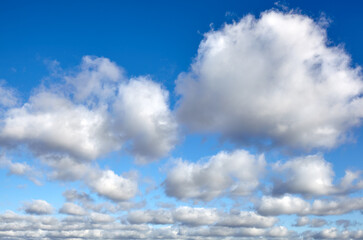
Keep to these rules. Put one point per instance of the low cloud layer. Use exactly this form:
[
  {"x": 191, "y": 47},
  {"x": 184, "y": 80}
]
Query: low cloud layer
[
  {"x": 272, "y": 81},
  {"x": 288, "y": 204}
]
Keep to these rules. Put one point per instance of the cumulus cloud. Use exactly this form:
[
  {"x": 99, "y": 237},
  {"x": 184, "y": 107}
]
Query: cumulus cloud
[
  {"x": 272, "y": 81},
  {"x": 112, "y": 186},
  {"x": 246, "y": 219},
  {"x": 72, "y": 209},
  {"x": 159, "y": 216},
  {"x": 142, "y": 115},
  {"x": 38, "y": 207},
  {"x": 50, "y": 123},
  {"x": 235, "y": 173},
  {"x": 195, "y": 216},
  {"x": 105, "y": 183},
  {"x": 273, "y": 206},
  {"x": 312, "y": 175},
  {"x": 93, "y": 112}
]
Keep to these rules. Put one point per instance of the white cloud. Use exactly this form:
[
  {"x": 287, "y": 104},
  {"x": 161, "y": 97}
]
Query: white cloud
[
  {"x": 272, "y": 81},
  {"x": 51, "y": 123},
  {"x": 195, "y": 216},
  {"x": 96, "y": 81},
  {"x": 159, "y": 216},
  {"x": 279, "y": 231},
  {"x": 246, "y": 219},
  {"x": 312, "y": 175},
  {"x": 72, "y": 209},
  {"x": 273, "y": 206},
  {"x": 112, "y": 186},
  {"x": 101, "y": 218},
  {"x": 38, "y": 207},
  {"x": 105, "y": 183},
  {"x": 142, "y": 115},
  {"x": 287, "y": 204},
  {"x": 234, "y": 173},
  {"x": 92, "y": 112}
]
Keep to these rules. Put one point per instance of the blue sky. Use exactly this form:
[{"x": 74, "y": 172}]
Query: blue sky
[{"x": 181, "y": 120}]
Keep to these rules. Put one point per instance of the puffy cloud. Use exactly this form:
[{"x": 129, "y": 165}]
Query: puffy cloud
[
  {"x": 142, "y": 115},
  {"x": 38, "y": 207},
  {"x": 112, "y": 186},
  {"x": 312, "y": 175},
  {"x": 50, "y": 123},
  {"x": 96, "y": 81},
  {"x": 263, "y": 81},
  {"x": 101, "y": 218},
  {"x": 150, "y": 216},
  {"x": 246, "y": 219},
  {"x": 273, "y": 206},
  {"x": 105, "y": 183},
  {"x": 283, "y": 205},
  {"x": 72, "y": 209},
  {"x": 279, "y": 231},
  {"x": 195, "y": 216},
  {"x": 93, "y": 112},
  {"x": 234, "y": 173}
]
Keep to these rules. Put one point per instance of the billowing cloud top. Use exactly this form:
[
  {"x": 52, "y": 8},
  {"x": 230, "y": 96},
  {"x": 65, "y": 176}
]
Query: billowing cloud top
[{"x": 272, "y": 81}]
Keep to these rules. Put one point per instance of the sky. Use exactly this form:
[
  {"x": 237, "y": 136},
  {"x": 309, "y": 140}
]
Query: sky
[{"x": 181, "y": 120}]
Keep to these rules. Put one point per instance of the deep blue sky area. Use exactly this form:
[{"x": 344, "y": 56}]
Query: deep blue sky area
[{"x": 159, "y": 38}]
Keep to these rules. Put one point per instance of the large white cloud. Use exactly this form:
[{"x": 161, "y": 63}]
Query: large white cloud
[
  {"x": 142, "y": 114},
  {"x": 235, "y": 173},
  {"x": 52, "y": 123},
  {"x": 94, "y": 111},
  {"x": 272, "y": 81},
  {"x": 312, "y": 175}
]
